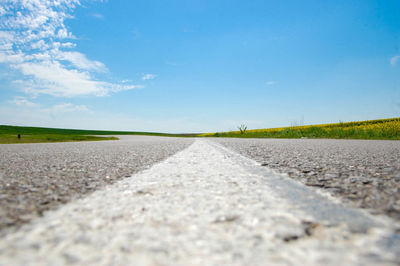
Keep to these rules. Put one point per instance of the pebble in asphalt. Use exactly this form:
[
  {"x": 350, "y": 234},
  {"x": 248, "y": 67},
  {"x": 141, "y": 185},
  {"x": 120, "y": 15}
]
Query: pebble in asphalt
[
  {"x": 363, "y": 173},
  {"x": 38, "y": 177}
]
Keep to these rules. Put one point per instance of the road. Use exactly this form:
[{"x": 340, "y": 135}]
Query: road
[
  {"x": 362, "y": 173},
  {"x": 37, "y": 177},
  {"x": 204, "y": 205}
]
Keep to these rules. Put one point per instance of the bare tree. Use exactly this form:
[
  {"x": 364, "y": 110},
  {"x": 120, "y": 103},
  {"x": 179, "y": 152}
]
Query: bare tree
[{"x": 242, "y": 128}]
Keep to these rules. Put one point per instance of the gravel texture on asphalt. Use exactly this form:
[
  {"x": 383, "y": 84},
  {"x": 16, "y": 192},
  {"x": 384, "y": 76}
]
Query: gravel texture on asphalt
[
  {"x": 363, "y": 173},
  {"x": 38, "y": 177},
  {"x": 205, "y": 205}
]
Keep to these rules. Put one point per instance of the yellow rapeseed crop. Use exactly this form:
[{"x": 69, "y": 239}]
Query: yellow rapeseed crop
[{"x": 379, "y": 129}]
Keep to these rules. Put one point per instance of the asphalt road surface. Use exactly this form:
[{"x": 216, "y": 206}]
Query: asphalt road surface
[
  {"x": 363, "y": 173},
  {"x": 37, "y": 177},
  {"x": 204, "y": 205}
]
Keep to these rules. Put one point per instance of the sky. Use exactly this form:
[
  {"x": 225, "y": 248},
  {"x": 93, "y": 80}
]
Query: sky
[{"x": 197, "y": 65}]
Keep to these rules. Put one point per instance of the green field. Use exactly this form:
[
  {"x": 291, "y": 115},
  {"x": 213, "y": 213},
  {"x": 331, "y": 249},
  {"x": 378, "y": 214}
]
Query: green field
[
  {"x": 388, "y": 129},
  {"x": 8, "y": 134},
  {"x": 8, "y": 139}
]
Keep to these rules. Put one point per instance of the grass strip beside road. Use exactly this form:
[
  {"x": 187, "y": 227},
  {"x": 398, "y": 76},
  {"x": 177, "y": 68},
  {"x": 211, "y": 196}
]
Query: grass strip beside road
[
  {"x": 38, "y": 138},
  {"x": 9, "y": 134}
]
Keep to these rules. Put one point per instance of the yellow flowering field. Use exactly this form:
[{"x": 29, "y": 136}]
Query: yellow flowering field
[{"x": 371, "y": 129}]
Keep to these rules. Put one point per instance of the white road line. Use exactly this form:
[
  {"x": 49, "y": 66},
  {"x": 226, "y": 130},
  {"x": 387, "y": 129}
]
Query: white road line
[{"x": 203, "y": 206}]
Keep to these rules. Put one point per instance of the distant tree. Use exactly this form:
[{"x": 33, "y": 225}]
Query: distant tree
[{"x": 242, "y": 128}]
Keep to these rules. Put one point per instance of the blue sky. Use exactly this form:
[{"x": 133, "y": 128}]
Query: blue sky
[{"x": 197, "y": 65}]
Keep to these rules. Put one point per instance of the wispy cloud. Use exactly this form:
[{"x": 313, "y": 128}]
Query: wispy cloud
[
  {"x": 136, "y": 34},
  {"x": 51, "y": 77},
  {"x": 171, "y": 63},
  {"x": 26, "y": 106},
  {"x": 148, "y": 76},
  {"x": 68, "y": 107},
  {"x": 98, "y": 16},
  {"x": 95, "y": 119},
  {"x": 23, "y": 101},
  {"x": 271, "y": 82},
  {"x": 188, "y": 30},
  {"x": 35, "y": 41},
  {"x": 394, "y": 60},
  {"x": 80, "y": 61}
]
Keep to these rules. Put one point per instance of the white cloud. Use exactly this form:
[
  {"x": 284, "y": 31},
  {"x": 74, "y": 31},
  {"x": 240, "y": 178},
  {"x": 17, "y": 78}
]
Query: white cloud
[
  {"x": 2, "y": 10},
  {"x": 171, "y": 63},
  {"x": 80, "y": 61},
  {"x": 14, "y": 58},
  {"x": 68, "y": 107},
  {"x": 65, "y": 115},
  {"x": 98, "y": 16},
  {"x": 95, "y": 119},
  {"x": 148, "y": 76},
  {"x": 52, "y": 78},
  {"x": 23, "y": 101},
  {"x": 35, "y": 41},
  {"x": 271, "y": 82},
  {"x": 394, "y": 60}
]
